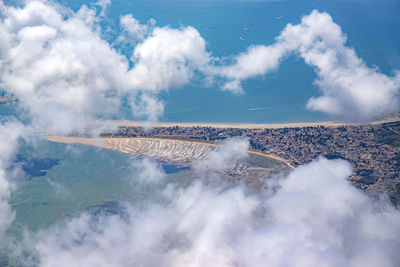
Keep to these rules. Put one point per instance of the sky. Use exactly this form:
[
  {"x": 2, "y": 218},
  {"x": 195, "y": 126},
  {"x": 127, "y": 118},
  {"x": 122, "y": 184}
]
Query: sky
[{"x": 67, "y": 75}]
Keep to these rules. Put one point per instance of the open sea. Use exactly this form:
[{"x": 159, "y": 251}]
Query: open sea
[{"x": 230, "y": 26}]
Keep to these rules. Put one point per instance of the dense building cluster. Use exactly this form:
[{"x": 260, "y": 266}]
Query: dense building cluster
[{"x": 373, "y": 150}]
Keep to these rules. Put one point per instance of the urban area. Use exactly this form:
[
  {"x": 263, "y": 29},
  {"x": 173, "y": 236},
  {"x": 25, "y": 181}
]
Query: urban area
[{"x": 373, "y": 150}]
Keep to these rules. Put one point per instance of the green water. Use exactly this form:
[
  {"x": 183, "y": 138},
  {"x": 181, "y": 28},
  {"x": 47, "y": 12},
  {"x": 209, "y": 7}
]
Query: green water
[{"x": 86, "y": 178}]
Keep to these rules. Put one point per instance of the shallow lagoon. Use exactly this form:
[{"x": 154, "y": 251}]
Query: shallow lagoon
[{"x": 84, "y": 178}]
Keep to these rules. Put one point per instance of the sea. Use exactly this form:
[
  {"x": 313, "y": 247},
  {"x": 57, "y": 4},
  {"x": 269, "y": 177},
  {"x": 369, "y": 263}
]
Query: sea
[
  {"x": 230, "y": 26},
  {"x": 59, "y": 181}
]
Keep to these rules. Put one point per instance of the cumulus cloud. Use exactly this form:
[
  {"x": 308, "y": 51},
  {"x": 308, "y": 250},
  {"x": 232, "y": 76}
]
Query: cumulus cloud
[
  {"x": 147, "y": 107},
  {"x": 133, "y": 29},
  {"x": 218, "y": 161},
  {"x": 56, "y": 62},
  {"x": 315, "y": 217},
  {"x": 257, "y": 60},
  {"x": 148, "y": 171},
  {"x": 10, "y": 132},
  {"x": 168, "y": 58},
  {"x": 60, "y": 69},
  {"x": 319, "y": 219},
  {"x": 64, "y": 74},
  {"x": 349, "y": 87}
]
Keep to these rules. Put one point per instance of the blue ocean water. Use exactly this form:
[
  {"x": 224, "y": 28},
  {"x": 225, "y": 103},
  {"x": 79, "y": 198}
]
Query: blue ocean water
[{"x": 229, "y": 26}]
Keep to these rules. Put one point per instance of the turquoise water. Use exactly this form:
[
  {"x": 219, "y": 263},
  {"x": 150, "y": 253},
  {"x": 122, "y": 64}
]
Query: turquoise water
[
  {"x": 61, "y": 181},
  {"x": 79, "y": 179},
  {"x": 372, "y": 27}
]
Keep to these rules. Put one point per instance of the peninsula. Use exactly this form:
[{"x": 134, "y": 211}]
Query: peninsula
[
  {"x": 372, "y": 149},
  {"x": 185, "y": 152}
]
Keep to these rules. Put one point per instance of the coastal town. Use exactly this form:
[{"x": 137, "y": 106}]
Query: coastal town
[{"x": 373, "y": 150}]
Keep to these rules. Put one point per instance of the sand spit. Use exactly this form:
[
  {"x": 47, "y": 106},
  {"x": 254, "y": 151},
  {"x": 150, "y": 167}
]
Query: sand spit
[
  {"x": 387, "y": 119},
  {"x": 237, "y": 125},
  {"x": 169, "y": 150}
]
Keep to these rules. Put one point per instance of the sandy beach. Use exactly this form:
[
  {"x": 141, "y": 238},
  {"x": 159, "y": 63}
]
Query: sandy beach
[
  {"x": 120, "y": 144},
  {"x": 237, "y": 125},
  {"x": 387, "y": 119}
]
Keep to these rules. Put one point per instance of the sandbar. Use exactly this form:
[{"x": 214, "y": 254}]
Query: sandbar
[
  {"x": 240, "y": 125},
  {"x": 108, "y": 143}
]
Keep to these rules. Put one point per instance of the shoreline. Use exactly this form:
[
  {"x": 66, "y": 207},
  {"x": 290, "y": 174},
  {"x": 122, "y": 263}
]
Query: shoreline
[
  {"x": 248, "y": 125},
  {"x": 102, "y": 143}
]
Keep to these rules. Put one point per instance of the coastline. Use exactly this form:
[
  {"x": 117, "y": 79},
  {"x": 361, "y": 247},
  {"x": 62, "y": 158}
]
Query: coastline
[
  {"x": 234, "y": 125},
  {"x": 250, "y": 125},
  {"x": 109, "y": 142},
  {"x": 106, "y": 142}
]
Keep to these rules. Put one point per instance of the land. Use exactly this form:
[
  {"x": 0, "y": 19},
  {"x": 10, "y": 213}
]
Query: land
[
  {"x": 387, "y": 119},
  {"x": 176, "y": 150},
  {"x": 252, "y": 170},
  {"x": 372, "y": 149},
  {"x": 235, "y": 125}
]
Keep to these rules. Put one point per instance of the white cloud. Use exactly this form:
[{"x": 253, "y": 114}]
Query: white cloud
[
  {"x": 314, "y": 218},
  {"x": 168, "y": 58},
  {"x": 104, "y": 4},
  {"x": 65, "y": 74},
  {"x": 319, "y": 219},
  {"x": 257, "y": 60},
  {"x": 10, "y": 132},
  {"x": 59, "y": 66},
  {"x": 147, "y": 107},
  {"x": 56, "y": 61},
  {"x": 218, "y": 161},
  {"x": 350, "y": 89},
  {"x": 133, "y": 29},
  {"x": 148, "y": 172}
]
